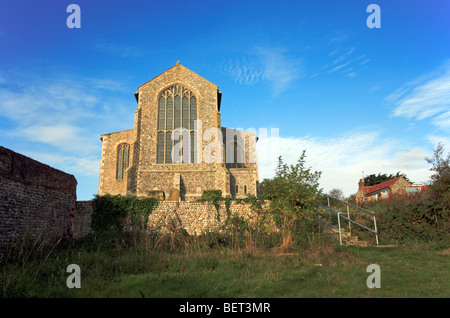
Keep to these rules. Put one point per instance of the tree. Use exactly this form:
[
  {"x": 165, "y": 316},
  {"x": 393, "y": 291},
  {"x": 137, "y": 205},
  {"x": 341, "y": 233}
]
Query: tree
[
  {"x": 373, "y": 179},
  {"x": 440, "y": 180},
  {"x": 336, "y": 193},
  {"x": 292, "y": 194}
]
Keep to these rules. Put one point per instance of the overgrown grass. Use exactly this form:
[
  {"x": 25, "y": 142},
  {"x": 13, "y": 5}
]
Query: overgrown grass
[{"x": 212, "y": 265}]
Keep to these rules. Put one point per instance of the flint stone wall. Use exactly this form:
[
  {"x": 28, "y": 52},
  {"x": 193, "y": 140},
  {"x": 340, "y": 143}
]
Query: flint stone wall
[
  {"x": 198, "y": 218},
  {"x": 82, "y": 222},
  {"x": 37, "y": 201},
  {"x": 169, "y": 216}
]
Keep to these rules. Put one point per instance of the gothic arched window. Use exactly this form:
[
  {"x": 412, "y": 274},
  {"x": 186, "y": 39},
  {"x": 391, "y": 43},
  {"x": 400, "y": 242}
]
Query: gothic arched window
[
  {"x": 177, "y": 109},
  {"x": 123, "y": 155}
]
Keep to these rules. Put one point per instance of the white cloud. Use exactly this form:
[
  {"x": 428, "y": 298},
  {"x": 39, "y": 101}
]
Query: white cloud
[
  {"x": 343, "y": 160},
  {"x": 265, "y": 64},
  {"x": 59, "y": 120},
  {"x": 65, "y": 137},
  {"x": 79, "y": 166},
  {"x": 435, "y": 140},
  {"x": 427, "y": 97},
  {"x": 442, "y": 120}
]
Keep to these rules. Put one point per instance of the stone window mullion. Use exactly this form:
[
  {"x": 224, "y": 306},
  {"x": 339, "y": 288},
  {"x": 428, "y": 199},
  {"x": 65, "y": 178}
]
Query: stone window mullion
[{"x": 179, "y": 111}]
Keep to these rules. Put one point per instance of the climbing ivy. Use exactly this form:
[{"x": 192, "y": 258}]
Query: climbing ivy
[
  {"x": 110, "y": 212},
  {"x": 215, "y": 197}
]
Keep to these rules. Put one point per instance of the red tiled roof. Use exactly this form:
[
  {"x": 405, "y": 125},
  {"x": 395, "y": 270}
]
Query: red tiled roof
[{"x": 386, "y": 184}]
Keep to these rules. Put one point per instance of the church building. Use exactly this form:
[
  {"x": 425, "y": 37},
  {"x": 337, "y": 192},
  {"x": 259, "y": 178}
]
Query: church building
[{"x": 178, "y": 148}]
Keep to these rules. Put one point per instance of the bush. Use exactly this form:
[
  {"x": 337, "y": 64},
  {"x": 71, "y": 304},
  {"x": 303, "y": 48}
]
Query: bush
[
  {"x": 110, "y": 212},
  {"x": 422, "y": 217},
  {"x": 293, "y": 194},
  {"x": 418, "y": 218},
  {"x": 211, "y": 195}
]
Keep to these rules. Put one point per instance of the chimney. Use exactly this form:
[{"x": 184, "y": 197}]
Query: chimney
[{"x": 361, "y": 183}]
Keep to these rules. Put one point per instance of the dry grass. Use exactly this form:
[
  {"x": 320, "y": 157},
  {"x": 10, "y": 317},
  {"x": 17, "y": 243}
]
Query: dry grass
[{"x": 444, "y": 252}]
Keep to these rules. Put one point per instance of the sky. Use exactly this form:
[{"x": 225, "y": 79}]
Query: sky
[{"x": 310, "y": 73}]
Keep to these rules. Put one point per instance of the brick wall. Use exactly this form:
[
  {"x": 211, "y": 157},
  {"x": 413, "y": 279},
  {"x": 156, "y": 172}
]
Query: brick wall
[{"x": 36, "y": 200}]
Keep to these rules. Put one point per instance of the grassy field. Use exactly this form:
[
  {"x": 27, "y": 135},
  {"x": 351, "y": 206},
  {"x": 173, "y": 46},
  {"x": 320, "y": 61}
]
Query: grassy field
[{"x": 197, "y": 269}]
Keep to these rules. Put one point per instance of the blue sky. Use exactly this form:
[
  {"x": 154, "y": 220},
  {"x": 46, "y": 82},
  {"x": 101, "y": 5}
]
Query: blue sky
[{"x": 359, "y": 100}]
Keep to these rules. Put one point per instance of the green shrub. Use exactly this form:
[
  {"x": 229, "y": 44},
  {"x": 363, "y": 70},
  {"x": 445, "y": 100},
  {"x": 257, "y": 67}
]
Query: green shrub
[
  {"x": 292, "y": 193},
  {"x": 419, "y": 218},
  {"x": 211, "y": 195},
  {"x": 110, "y": 212}
]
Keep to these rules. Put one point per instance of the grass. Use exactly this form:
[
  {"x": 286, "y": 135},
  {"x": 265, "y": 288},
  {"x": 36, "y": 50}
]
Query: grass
[{"x": 194, "y": 268}]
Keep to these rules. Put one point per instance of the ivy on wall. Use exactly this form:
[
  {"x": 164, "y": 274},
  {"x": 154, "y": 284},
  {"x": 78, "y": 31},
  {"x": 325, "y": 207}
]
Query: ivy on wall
[{"x": 110, "y": 212}]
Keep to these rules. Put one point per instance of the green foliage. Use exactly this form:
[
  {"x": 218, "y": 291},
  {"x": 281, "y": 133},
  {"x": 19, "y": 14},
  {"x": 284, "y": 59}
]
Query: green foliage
[
  {"x": 214, "y": 196},
  {"x": 293, "y": 191},
  {"x": 293, "y": 194},
  {"x": 418, "y": 218},
  {"x": 373, "y": 179},
  {"x": 211, "y": 195},
  {"x": 440, "y": 180},
  {"x": 421, "y": 217},
  {"x": 110, "y": 212}
]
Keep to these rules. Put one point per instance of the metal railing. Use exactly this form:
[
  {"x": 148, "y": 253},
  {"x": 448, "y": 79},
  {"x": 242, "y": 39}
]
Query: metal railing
[{"x": 348, "y": 218}]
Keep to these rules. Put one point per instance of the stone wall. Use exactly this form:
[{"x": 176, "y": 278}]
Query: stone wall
[
  {"x": 198, "y": 218},
  {"x": 195, "y": 218},
  {"x": 36, "y": 200},
  {"x": 107, "y": 179},
  {"x": 399, "y": 187},
  {"x": 82, "y": 220}
]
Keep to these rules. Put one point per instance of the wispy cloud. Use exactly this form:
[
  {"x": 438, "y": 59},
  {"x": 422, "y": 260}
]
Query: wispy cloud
[
  {"x": 343, "y": 160},
  {"x": 60, "y": 119},
  {"x": 344, "y": 61},
  {"x": 123, "y": 50},
  {"x": 342, "y": 57},
  {"x": 273, "y": 66},
  {"x": 427, "y": 97},
  {"x": 338, "y": 37}
]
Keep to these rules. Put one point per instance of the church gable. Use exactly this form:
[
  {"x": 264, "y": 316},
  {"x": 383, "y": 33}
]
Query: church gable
[{"x": 178, "y": 75}]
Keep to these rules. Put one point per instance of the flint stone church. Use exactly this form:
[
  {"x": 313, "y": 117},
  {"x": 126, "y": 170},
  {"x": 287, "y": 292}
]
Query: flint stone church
[{"x": 178, "y": 148}]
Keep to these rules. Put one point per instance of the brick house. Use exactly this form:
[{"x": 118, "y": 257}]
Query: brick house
[
  {"x": 386, "y": 189},
  {"x": 178, "y": 147}
]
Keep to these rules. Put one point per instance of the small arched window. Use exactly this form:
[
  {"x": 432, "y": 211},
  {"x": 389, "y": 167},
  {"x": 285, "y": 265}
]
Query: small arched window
[{"x": 123, "y": 155}]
